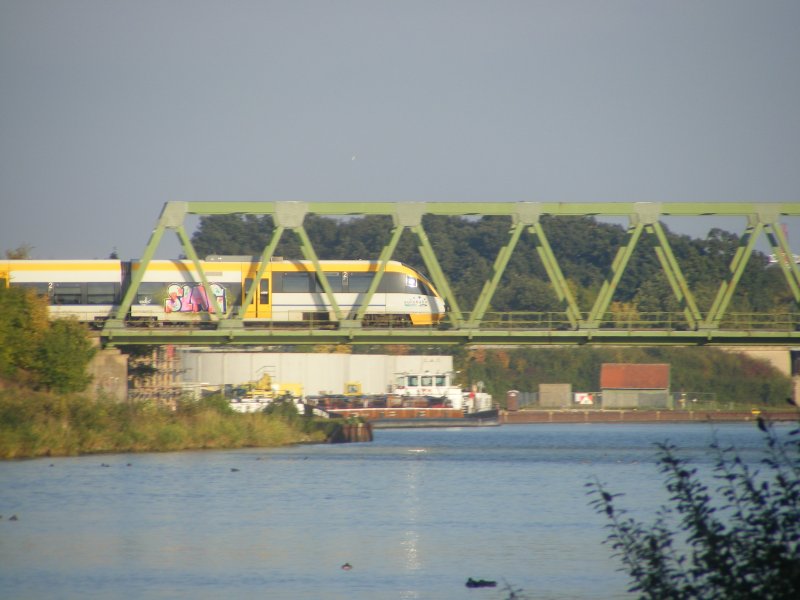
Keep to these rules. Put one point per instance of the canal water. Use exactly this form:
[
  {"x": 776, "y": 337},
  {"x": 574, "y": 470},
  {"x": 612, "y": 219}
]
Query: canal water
[{"x": 414, "y": 513}]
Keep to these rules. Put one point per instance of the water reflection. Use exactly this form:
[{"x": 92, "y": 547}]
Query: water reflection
[{"x": 411, "y": 535}]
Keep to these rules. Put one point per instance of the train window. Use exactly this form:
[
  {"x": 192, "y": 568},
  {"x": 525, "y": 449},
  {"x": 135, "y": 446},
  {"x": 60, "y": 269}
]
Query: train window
[
  {"x": 296, "y": 282},
  {"x": 264, "y": 291},
  {"x": 67, "y": 293},
  {"x": 101, "y": 293},
  {"x": 360, "y": 282},
  {"x": 413, "y": 380},
  {"x": 424, "y": 289},
  {"x": 413, "y": 285},
  {"x": 427, "y": 380},
  {"x": 43, "y": 289},
  {"x": 441, "y": 380},
  {"x": 393, "y": 283},
  {"x": 151, "y": 293},
  {"x": 334, "y": 280}
]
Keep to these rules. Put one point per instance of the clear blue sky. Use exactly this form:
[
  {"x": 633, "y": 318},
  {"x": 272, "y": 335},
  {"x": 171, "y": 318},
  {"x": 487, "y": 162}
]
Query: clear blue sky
[{"x": 109, "y": 109}]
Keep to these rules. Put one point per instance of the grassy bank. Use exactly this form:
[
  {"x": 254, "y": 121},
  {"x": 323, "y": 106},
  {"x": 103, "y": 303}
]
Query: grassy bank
[{"x": 37, "y": 424}]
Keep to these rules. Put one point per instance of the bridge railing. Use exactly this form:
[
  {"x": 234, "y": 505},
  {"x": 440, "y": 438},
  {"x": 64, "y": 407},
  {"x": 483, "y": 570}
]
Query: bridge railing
[{"x": 656, "y": 320}]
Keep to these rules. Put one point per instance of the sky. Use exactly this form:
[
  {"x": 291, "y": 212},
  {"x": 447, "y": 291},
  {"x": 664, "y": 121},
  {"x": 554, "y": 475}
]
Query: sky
[{"x": 109, "y": 109}]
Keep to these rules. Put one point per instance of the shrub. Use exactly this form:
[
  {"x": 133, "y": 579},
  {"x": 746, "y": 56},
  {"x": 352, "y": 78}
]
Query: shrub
[{"x": 742, "y": 544}]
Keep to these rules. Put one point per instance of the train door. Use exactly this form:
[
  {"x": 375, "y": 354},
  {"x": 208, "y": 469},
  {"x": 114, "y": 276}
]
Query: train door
[{"x": 261, "y": 306}]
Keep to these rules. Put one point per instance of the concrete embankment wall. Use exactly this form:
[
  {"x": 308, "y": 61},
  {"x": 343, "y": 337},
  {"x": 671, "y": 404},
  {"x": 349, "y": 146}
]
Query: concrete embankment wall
[{"x": 639, "y": 416}]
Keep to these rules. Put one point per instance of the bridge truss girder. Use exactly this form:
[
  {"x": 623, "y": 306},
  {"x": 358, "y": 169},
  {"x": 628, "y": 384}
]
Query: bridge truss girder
[{"x": 470, "y": 327}]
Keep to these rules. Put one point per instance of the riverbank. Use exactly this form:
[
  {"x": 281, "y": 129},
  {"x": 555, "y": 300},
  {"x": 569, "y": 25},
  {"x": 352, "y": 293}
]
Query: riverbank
[
  {"x": 34, "y": 424},
  {"x": 642, "y": 416}
]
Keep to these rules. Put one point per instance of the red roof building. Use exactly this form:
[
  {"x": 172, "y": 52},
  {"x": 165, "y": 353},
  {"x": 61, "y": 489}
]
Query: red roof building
[
  {"x": 625, "y": 376},
  {"x": 631, "y": 386}
]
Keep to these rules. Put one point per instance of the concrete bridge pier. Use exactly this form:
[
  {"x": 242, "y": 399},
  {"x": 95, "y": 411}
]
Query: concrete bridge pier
[{"x": 109, "y": 371}]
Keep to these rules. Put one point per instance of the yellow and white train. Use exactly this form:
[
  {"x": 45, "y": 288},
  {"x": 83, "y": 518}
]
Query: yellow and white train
[{"x": 171, "y": 291}]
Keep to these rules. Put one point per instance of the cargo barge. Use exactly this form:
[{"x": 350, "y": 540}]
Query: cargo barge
[{"x": 419, "y": 400}]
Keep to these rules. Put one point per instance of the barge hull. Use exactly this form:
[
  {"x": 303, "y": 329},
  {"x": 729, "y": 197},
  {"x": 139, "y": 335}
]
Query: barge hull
[{"x": 420, "y": 417}]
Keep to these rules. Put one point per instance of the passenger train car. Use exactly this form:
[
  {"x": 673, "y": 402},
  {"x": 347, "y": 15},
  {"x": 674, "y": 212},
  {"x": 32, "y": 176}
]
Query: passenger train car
[{"x": 171, "y": 291}]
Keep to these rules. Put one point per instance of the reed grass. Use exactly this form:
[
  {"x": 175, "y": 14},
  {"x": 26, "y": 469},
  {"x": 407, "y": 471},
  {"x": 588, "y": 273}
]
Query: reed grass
[{"x": 36, "y": 424}]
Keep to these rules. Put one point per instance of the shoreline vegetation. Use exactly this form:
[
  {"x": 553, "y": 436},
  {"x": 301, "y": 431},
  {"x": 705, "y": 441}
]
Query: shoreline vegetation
[{"x": 36, "y": 424}]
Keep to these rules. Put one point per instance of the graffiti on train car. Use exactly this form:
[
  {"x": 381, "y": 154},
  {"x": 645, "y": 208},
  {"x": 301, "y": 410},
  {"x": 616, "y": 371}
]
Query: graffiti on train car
[{"x": 184, "y": 297}]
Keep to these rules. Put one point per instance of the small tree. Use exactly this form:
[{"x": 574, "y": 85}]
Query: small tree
[
  {"x": 63, "y": 355},
  {"x": 745, "y": 545},
  {"x": 21, "y": 252},
  {"x": 23, "y": 324}
]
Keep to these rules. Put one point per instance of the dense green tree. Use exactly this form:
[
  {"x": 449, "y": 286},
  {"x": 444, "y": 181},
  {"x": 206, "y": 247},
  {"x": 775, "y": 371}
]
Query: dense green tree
[
  {"x": 63, "y": 355},
  {"x": 37, "y": 352},
  {"x": 23, "y": 324}
]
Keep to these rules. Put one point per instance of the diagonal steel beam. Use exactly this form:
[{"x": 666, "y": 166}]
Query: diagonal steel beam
[
  {"x": 172, "y": 216},
  {"x": 557, "y": 279},
  {"x": 499, "y": 267},
  {"x": 611, "y": 282},
  {"x": 307, "y": 249},
  {"x": 675, "y": 276},
  {"x": 383, "y": 259},
  {"x": 191, "y": 254},
  {"x": 437, "y": 275},
  {"x": 785, "y": 258},
  {"x": 738, "y": 264},
  {"x": 266, "y": 257}
]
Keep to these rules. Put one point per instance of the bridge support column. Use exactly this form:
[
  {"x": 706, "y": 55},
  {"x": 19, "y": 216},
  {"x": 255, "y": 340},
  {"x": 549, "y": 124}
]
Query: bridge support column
[{"x": 109, "y": 371}]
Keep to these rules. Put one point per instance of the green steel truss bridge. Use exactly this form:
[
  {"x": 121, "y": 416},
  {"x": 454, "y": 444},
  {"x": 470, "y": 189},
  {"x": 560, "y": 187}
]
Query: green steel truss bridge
[{"x": 479, "y": 325}]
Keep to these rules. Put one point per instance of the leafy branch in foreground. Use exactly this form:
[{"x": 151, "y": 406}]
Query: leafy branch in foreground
[{"x": 742, "y": 543}]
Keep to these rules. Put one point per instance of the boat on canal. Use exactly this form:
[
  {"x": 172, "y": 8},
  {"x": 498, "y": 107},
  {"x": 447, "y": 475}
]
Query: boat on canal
[{"x": 418, "y": 400}]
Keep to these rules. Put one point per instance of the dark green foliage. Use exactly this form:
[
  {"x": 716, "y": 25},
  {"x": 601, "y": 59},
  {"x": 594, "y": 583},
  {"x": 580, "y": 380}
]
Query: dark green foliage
[
  {"x": 740, "y": 540},
  {"x": 37, "y": 352},
  {"x": 214, "y": 403},
  {"x": 63, "y": 355},
  {"x": 467, "y": 247}
]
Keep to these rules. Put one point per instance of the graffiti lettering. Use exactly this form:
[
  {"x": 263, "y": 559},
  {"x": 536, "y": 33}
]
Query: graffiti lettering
[{"x": 184, "y": 297}]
